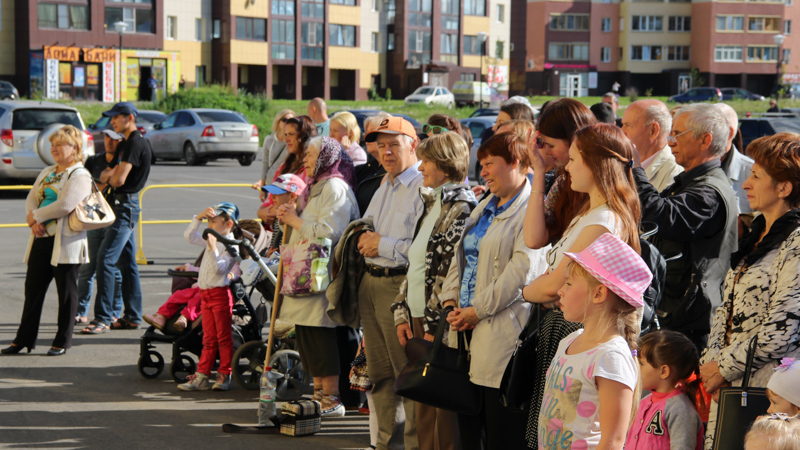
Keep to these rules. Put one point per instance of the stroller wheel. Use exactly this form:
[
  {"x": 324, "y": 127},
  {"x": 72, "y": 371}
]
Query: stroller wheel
[
  {"x": 248, "y": 364},
  {"x": 151, "y": 364},
  {"x": 182, "y": 368},
  {"x": 295, "y": 381}
]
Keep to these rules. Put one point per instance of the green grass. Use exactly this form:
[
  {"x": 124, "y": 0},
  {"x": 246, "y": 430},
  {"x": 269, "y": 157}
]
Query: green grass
[{"x": 260, "y": 111}]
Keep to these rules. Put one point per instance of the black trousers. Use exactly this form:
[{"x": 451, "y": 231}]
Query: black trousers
[
  {"x": 37, "y": 281},
  {"x": 494, "y": 428}
]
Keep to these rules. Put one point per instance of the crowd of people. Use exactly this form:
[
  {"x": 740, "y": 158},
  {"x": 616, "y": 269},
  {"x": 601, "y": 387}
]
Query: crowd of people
[{"x": 552, "y": 231}]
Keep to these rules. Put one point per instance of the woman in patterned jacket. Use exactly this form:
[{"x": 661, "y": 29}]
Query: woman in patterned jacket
[
  {"x": 762, "y": 290},
  {"x": 448, "y": 203}
]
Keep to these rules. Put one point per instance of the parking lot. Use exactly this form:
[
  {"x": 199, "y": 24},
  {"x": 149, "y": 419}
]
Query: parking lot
[{"x": 94, "y": 397}]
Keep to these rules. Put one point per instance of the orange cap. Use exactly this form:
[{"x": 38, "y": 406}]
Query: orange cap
[{"x": 393, "y": 125}]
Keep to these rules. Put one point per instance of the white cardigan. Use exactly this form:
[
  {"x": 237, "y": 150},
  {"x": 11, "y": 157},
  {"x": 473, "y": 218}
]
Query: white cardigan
[{"x": 70, "y": 247}]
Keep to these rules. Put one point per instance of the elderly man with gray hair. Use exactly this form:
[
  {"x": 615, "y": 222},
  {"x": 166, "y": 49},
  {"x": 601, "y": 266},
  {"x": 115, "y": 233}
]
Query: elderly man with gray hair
[
  {"x": 696, "y": 216},
  {"x": 735, "y": 164},
  {"x": 647, "y": 124}
]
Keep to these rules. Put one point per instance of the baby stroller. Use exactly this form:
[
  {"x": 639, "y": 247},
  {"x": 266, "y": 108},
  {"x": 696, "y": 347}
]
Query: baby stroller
[{"x": 247, "y": 335}]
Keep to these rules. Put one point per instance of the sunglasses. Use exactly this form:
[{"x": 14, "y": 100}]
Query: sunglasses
[
  {"x": 433, "y": 129},
  {"x": 539, "y": 142},
  {"x": 285, "y": 119}
]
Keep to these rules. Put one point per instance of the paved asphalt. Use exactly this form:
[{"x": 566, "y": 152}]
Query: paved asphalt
[{"x": 93, "y": 397}]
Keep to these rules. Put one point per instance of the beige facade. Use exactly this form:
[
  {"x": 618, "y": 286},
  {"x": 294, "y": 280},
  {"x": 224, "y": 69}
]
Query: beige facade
[{"x": 191, "y": 36}]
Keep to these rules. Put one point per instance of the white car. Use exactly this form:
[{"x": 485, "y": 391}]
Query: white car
[{"x": 431, "y": 95}]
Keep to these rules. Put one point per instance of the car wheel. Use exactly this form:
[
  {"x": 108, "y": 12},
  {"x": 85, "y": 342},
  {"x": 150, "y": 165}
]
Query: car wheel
[
  {"x": 190, "y": 155},
  {"x": 246, "y": 160}
]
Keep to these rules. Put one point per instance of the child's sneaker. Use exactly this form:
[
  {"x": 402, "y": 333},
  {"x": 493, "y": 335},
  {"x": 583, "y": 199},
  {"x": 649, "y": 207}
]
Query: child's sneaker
[
  {"x": 331, "y": 406},
  {"x": 181, "y": 324},
  {"x": 223, "y": 382},
  {"x": 195, "y": 382},
  {"x": 156, "y": 320}
]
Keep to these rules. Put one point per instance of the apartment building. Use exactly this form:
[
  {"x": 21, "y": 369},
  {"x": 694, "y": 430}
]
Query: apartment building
[{"x": 578, "y": 48}]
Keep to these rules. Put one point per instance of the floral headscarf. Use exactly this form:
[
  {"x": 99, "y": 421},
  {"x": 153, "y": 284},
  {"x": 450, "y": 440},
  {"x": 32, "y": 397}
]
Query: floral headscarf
[{"x": 332, "y": 162}]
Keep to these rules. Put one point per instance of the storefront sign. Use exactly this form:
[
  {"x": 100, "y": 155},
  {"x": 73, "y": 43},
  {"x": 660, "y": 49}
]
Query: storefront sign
[
  {"x": 108, "y": 82},
  {"x": 497, "y": 77},
  {"x": 92, "y": 75},
  {"x": 62, "y": 53},
  {"x": 51, "y": 78},
  {"x": 791, "y": 78},
  {"x": 98, "y": 55}
]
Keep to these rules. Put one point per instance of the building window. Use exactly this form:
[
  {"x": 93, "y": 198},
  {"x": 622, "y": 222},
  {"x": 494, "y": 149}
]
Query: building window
[
  {"x": 450, "y": 11},
  {"x": 313, "y": 8},
  {"x": 647, "y": 23},
  {"x": 343, "y": 2},
  {"x": 419, "y": 48},
  {"x": 475, "y": 7},
  {"x": 420, "y": 13},
  {"x": 200, "y": 29},
  {"x": 139, "y": 20},
  {"x": 730, "y": 23},
  {"x": 787, "y": 27},
  {"x": 342, "y": 35},
  {"x": 172, "y": 27},
  {"x": 787, "y": 56},
  {"x": 678, "y": 53},
  {"x": 501, "y": 13},
  {"x": 499, "y": 49},
  {"x": 605, "y": 54},
  {"x": 449, "y": 48},
  {"x": 390, "y": 42},
  {"x": 680, "y": 23},
  {"x": 646, "y": 53},
  {"x": 282, "y": 7},
  {"x": 765, "y": 24},
  {"x": 199, "y": 75},
  {"x": 250, "y": 29},
  {"x": 762, "y": 54},
  {"x": 621, "y": 24},
  {"x": 65, "y": 17},
  {"x": 312, "y": 35},
  {"x": 472, "y": 45},
  {"x": 728, "y": 53},
  {"x": 216, "y": 33},
  {"x": 605, "y": 24},
  {"x": 375, "y": 5},
  {"x": 282, "y": 39},
  {"x": 569, "y": 22},
  {"x": 376, "y": 42},
  {"x": 568, "y": 51}
]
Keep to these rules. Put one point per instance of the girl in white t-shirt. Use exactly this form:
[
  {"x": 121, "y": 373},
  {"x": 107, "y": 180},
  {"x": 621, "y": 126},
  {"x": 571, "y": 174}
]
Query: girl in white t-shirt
[{"x": 591, "y": 387}]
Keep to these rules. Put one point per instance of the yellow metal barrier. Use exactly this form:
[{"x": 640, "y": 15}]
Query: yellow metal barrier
[
  {"x": 16, "y": 187},
  {"x": 140, "y": 258}
]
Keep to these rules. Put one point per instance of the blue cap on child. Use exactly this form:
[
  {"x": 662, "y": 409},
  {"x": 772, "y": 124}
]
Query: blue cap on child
[{"x": 228, "y": 208}]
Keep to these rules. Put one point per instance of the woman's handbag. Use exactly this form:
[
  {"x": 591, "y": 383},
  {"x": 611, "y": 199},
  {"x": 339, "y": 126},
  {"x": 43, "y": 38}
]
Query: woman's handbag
[
  {"x": 359, "y": 376},
  {"x": 438, "y": 375},
  {"x": 305, "y": 267},
  {"x": 739, "y": 407},
  {"x": 92, "y": 213},
  {"x": 516, "y": 388}
]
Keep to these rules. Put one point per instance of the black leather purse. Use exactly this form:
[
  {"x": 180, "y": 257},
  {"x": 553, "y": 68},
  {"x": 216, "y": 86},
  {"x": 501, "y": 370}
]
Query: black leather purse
[
  {"x": 739, "y": 407},
  {"x": 438, "y": 375},
  {"x": 516, "y": 389}
]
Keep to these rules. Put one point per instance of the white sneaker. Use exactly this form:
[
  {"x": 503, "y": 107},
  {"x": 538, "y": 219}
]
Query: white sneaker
[
  {"x": 196, "y": 382},
  {"x": 223, "y": 383},
  {"x": 331, "y": 407}
]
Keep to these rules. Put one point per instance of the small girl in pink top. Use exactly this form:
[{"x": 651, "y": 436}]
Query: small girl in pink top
[{"x": 668, "y": 418}]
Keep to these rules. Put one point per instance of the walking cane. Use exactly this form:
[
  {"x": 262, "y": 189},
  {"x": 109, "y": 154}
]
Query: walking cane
[{"x": 276, "y": 301}]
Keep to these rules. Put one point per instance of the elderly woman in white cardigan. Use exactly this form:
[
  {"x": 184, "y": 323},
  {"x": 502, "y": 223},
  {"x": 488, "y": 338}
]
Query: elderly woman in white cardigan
[{"x": 54, "y": 250}]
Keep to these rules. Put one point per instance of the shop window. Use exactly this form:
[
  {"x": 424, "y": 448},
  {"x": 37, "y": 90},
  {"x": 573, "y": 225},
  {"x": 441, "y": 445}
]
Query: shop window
[
  {"x": 65, "y": 17},
  {"x": 251, "y": 29}
]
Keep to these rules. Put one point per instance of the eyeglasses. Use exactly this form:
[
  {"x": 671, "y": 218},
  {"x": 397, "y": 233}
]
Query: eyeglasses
[
  {"x": 673, "y": 139},
  {"x": 433, "y": 129}
]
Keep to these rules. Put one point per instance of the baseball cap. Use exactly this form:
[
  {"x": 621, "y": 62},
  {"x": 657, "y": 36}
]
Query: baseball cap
[
  {"x": 228, "y": 208},
  {"x": 393, "y": 125},
  {"x": 113, "y": 134},
  {"x": 616, "y": 266},
  {"x": 122, "y": 108},
  {"x": 287, "y": 182}
]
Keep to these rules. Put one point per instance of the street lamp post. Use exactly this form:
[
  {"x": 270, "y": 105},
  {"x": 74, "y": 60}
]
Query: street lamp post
[
  {"x": 482, "y": 40},
  {"x": 778, "y": 38},
  {"x": 120, "y": 27}
]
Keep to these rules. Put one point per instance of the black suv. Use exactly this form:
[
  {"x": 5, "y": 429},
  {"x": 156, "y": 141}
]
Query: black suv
[{"x": 753, "y": 128}]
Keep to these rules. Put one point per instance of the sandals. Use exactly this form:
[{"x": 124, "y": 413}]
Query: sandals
[
  {"x": 81, "y": 319},
  {"x": 95, "y": 328},
  {"x": 122, "y": 324}
]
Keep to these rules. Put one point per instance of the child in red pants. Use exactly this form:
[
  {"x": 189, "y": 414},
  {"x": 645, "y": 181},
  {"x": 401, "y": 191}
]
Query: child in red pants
[{"x": 215, "y": 296}]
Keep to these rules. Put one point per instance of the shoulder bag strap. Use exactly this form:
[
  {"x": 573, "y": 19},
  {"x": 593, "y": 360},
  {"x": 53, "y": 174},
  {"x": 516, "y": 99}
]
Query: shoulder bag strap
[{"x": 751, "y": 354}]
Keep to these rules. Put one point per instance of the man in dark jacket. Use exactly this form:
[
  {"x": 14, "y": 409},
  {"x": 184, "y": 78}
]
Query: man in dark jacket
[{"x": 696, "y": 216}]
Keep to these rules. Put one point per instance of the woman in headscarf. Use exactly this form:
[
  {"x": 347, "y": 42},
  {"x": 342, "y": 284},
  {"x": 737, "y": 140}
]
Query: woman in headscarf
[{"x": 328, "y": 206}]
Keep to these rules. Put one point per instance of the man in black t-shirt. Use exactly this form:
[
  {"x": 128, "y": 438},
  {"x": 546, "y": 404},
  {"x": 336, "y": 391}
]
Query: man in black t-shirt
[{"x": 118, "y": 248}]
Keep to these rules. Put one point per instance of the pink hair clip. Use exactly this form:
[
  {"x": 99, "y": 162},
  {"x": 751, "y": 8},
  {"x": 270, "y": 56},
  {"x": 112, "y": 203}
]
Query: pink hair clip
[{"x": 785, "y": 364}]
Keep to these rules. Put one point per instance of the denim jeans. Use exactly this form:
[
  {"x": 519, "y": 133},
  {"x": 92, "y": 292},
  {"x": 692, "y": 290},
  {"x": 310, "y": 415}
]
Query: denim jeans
[
  {"x": 118, "y": 249},
  {"x": 86, "y": 276}
]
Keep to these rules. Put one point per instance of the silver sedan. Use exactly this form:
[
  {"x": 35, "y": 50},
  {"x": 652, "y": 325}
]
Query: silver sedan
[{"x": 199, "y": 135}]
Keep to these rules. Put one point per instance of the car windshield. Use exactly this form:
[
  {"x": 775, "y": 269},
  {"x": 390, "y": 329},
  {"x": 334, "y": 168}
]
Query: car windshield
[
  {"x": 39, "y": 118},
  {"x": 149, "y": 117},
  {"x": 424, "y": 91},
  {"x": 219, "y": 116}
]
